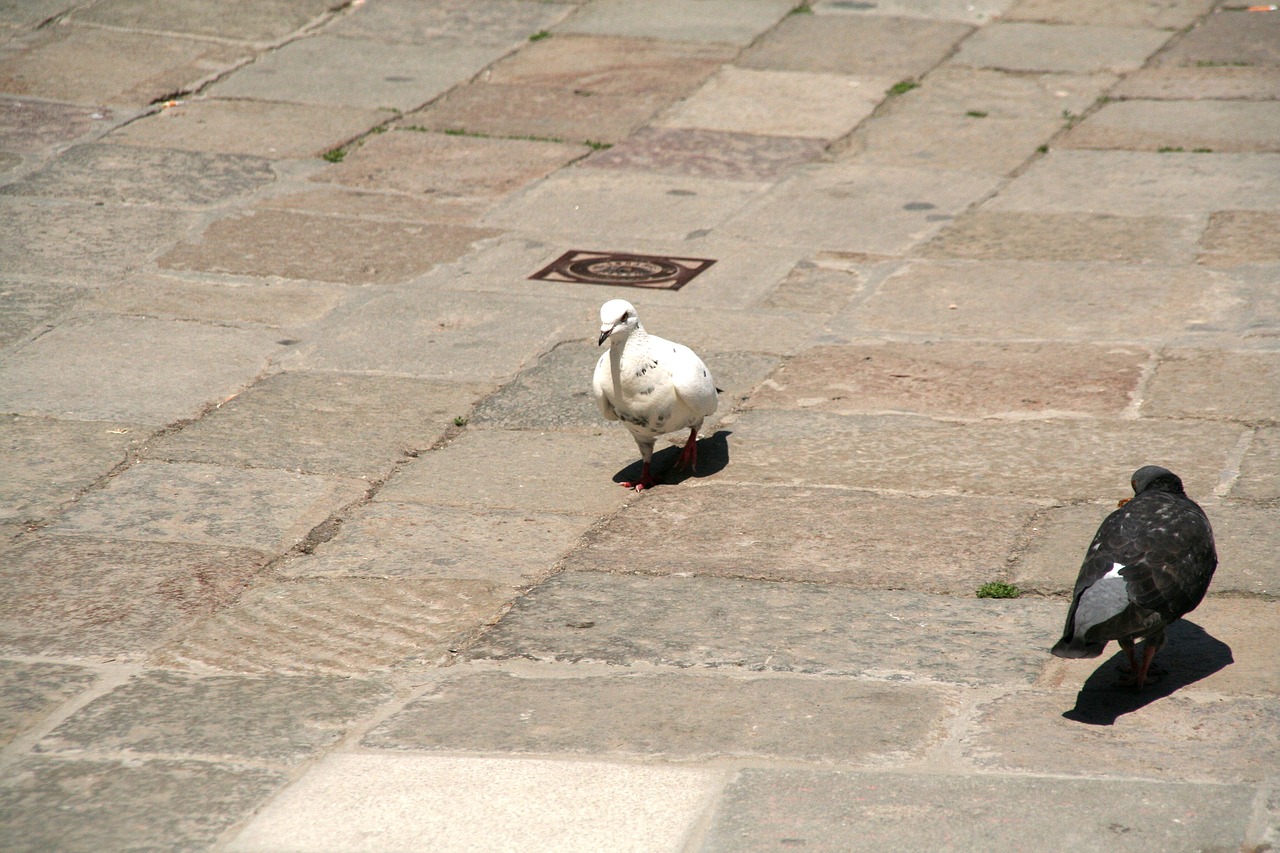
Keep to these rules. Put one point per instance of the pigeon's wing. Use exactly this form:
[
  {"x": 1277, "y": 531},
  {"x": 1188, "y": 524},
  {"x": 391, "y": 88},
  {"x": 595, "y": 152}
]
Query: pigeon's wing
[
  {"x": 1174, "y": 557},
  {"x": 692, "y": 380},
  {"x": 602, "y": 386}
]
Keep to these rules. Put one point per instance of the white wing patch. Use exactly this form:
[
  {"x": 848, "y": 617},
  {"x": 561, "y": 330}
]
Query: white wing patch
[{"x": 1115, "y": 571}]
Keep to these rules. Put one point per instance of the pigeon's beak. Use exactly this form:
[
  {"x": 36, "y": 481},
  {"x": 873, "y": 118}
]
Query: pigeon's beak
[{"x": 604, "y": 333}]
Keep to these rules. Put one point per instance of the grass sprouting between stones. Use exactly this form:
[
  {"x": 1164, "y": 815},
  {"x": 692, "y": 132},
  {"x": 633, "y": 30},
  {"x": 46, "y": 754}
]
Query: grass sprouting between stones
[
  {"x": 902, "y": 87},
  {"x": 977, "y": 114},
  {"x": 335, "y": 155},
  {"x": 540, "y": 35},
  {"x": 998, "y": 589},
  {"x": 460, "y": 421}
]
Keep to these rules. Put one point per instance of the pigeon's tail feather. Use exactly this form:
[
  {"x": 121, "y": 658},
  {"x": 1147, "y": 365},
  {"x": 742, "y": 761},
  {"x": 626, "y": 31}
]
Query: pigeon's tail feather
[{"x": 1077, "y": 648}]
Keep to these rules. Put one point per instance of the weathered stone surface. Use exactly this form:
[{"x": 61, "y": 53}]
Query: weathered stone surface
[
  {"x": 1141, "y": 183},
  {"x": 258, "y": 22},
  {"x": 1240, "y": 237},
  {"x": 322, "y": 423},
  {"x": 95, "y": 66},
  {"x": 334, "y": 200},
  {"x": 134, "y": 370},
  {"x": 708, "y": 154},
  {"x": 279, "y": 720},
  {"x": 864, "y": 45},
  {"x": 455, "y": 804},
  {"x": 779, "y": 103},
  {"x": 253, "y": 128},
  {"x": 27, "y": 309},
  {"x": 276, "y": 304},
  {"x": 1063, "y": 459},
  {"x": 935, "y": 544},
  {"x": 260, "y": 508},
  {"x": 1195, "y": 384},
  {"x": 347, "y": 626},
  {"x": 333, "y": 71},
  {"x": 957, "y": 379},
  {"x": 88, "y": 805},
  {"x": 1070, "y": 48},
  {"x": 860, "y": 208},
  {"x": 410, "y": 540},
  {"x": 33, "y": 12},
  {"x": 858, "y": 811},
  {"x": 817, "y": 286},
  {"x": 1223, "y": 82},
  {"x": 1228, "y": 37},
  {"x": 29, "y": 127},
  {"x": 1168, "y": 15},
  {"x": 490, "y": 22},
  {"x": 670, "y": 716},
  {"x": 28, "y": 691},
  {"x": 736, "y": 22},
  {"x": 524, "y": 470},
  {"x": 1045, "y": 300},
  {"x": 89, "y": 598},
  {"x": 762, "y": 627},
  {"x": 1260, "y": 470},
  {"x": 1024, "y": 235},
  {"x": 1186, "y": 125},
  {"x": 1180, "y": 737},
  {"x": 957, "y": 141},
  {"x": 322, "y": 248}
]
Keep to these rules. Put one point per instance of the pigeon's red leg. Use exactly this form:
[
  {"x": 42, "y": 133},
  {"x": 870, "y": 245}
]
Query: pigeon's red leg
[
  {"x": 646, "y": 480},
  {"x": 1148, "y": 652},
  {"x": 689, "y": 456}
]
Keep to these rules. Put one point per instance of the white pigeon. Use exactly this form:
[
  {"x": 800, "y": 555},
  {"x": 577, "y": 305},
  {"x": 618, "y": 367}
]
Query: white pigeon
[{"x": 652, "y": 385}]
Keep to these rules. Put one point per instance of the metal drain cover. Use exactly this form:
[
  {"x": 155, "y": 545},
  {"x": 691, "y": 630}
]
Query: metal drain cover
[{"x": 621, "y": 269}]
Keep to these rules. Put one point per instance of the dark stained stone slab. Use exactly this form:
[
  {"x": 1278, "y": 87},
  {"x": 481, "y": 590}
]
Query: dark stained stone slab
[
  {"x": 30, "y": 127},
  {"x": 671, "y": 716},
  {"x": 880, "y": 46},
  {"x": 755, "y": 626},
  {"x": 29, "y": 690},
  {"x": 1240, "y": 237},
  {"x": 710, "y": 154}
]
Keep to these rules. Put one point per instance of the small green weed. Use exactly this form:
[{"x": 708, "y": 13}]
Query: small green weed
[
  {"x": 1170, "y": 149},
  {"x": 998, "y": 589},
  {"x": 801, "y": 9},
  {"x": 540, "y": 35},
  {"x": 335, "y": 155},
  {"x": 903, "y": 86},
  {"x": 1043, "y": 149},
  {"x": 597, "y": 146},
  {"x": 977, "y": 114},
  {"x": 460, "y": 421}
]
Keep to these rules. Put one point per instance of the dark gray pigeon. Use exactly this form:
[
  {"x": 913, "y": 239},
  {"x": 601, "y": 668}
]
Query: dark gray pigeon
[{"x": 1149, "y": 564}]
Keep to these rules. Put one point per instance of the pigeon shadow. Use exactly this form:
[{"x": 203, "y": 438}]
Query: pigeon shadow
[
  {"x": 1189, "y": 654},
  {"x": 713, "y": 457}
]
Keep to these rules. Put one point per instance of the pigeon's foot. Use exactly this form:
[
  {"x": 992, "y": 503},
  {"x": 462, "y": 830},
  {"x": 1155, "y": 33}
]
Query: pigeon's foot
[
  {"x": 646, "y": 480},
  {"x": 688, "y": 460},
  {"x": 1140, "y": 674}
]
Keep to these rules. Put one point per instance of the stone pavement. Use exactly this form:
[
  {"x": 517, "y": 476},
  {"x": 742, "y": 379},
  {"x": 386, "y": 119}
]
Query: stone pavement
[{"x": 311, "y": 534}]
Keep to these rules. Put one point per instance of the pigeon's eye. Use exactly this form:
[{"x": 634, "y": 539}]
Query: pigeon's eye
[{"x": 626, "y": 316}]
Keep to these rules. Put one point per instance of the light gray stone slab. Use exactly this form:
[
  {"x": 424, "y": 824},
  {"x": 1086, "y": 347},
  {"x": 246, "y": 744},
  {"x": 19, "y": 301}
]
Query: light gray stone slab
[
  {"x": 258, "y": 22},
  {"x": 957, "y": 379},
  {"x": 33, "y": 12},
  {"x": 1241, "y": 386},
  {"x": 80, "y": 806},
  {"x": 391, "y": 539},
  {"x": 1236, "y": 126},
  {"x": 87, "y": 598},
  {"x": 968, "y": 11},
  {"x": 1260, "y": 470},
  {"x": 956, "y": 142},
  {"x": 1064, "y": 459},
  {"x": 953, "y": 90},
  {"x": 454, "y": 804},
  {"x": 221, "y": 717},
  {"x": 1046, "y": 301},
  {"x": 1140, "y": 183},
  {"x": 32, "y": 308},
  {"x": 342, "y": 626},
  {"x": 1025, "y": 235},
  {"x": 736, "y": 22},
  {"x": 525, "y": 470},
  {"x": 252, "y": 128},
  {"x": 708, "y": 154},
  {"x": 1180, "y": 737},
  {"x": 876, "y": 46},
  {"x": 779, "y": 103},
  {"x": 1223, "y": 82},
  {"x": 46, "y": 462},
  {"x": 134, "y": 370},
  {"x": 334, "y": 200},
  {"x": 276, "y": 304},
  {"x": 671, "y": 716},
  {"x": 754, "y": 626},
  {"x": 1236, "y": 237},
  {"x": 1172, "y": 15},
  {"x": 860, "y": 208},
  {"x": 260, "y": 508},
  {"x": 859, "y": 811},
  {"x": 1068, "y": 48},
  {"x": 503, "y": 23},
  {"x": 332, "y": 71},
  {"x": 29, "y": 691},
  {"x": 122, "y": 174},
  {"x": 602, "y": 204},
  {"x": 322, "y": 423},
  {"x": 32, "y": 127},
  {"x": 936, "y": 544},
  {"x": 1228, "y": 37}
]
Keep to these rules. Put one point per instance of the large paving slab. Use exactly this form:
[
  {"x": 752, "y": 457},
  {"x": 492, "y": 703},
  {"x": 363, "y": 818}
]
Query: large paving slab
[
  {"x": 1063, "y": 48},
  {"x": 779, "y": 103},
  {"x": 736, "y": 22},
  {"x": 30, "y": 14},
  {"x": 30, "y": 690},
  {"x": 390, "y": 539},
  {"x": 1064, "y": 459},
  {"x": 1228, "y": 37},
  {"x": 278, "y": 304},
  {"x": 101, "y": 599},
  {"x": 31, "y": 127},
  {"x": 1045, "y": 301},
  {"x": 80, "y": 806},
  {"x": 222, "y": 717},
  {"x": 1260, "y": 469},
  {"x": 346, "y": 250},
  {"x": 859, "y": 539},
  {"x": 1177, "y": 737},
  {"x": 46, "y": 462},
  {"x": 1235, "y": 237},
  {"x": 134, "y": 370},
  {"x": 322, "y": 423},
  {"x": 946, "y": 379},
  {"x": 670, "y": 716},
  {"x": 1242, "y": 386},
  {"x": 337, "y": 200},
  {"x": 455, "y": 804},
  {"x": 1216, "y": 126},
  {"x": 708, "y": 154},
  {"x": 899, "y": 48},
  {"x": 490, "y": 22},
  {"x": 1025, "y": 235},
  {"x": 859, "y": 811},
  {"x": 262, "y": 508},
  {"x": 343, "y": 72},
  {"x": 860, "y": 208},
  {"x": 1173, "y": 15},
  {"x": 754, "y": 626},
  {"x": 347, "y": 626},
  {"x": 822, "y": 285},
  {"x": 1223, "y": 82},
  {"x": 122, "y": 174},
  {"x": 260, "y": 22}
]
